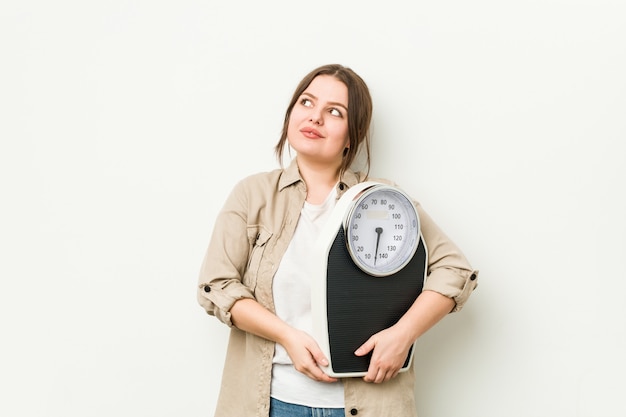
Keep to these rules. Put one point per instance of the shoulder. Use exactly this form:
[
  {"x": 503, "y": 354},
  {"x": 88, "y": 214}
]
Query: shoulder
[
  {"x": 259, "y": 179},
  {"x": 385, "y": 181},
  {"x": 262, "y": 186}
]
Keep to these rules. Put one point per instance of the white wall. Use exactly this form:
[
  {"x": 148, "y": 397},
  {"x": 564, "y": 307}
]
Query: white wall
[{"x": 124, "y": 124}]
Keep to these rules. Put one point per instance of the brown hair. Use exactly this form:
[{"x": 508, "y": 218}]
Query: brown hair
[{"x": 359, "y": 113}]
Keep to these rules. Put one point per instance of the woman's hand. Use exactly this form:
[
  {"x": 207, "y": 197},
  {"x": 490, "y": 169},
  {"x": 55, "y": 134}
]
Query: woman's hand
[
  {"x": 306, "y": 355},
  {"x": 248, "y": 315},
  {"x": 390, "y": 348}
]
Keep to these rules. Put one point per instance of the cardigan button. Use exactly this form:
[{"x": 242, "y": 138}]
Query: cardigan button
[
  {"x": 354, "y": 411},
  {"x": 207, "y": 288},
  {"x": 341, "y": 187},
  {"x": 473, "y": 277}
]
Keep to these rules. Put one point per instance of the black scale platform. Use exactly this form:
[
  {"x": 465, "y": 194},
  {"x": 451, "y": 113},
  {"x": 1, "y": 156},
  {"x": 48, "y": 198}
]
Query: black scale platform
[{"x": 360, "y": 305}]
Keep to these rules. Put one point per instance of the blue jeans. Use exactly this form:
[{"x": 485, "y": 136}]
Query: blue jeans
[{"x": 282, "y": 409}]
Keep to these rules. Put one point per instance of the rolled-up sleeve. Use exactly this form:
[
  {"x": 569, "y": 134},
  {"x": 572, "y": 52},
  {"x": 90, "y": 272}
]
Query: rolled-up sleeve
[
  {"x": 220, "y": 282},
  {"x": 449, "y": 272}
]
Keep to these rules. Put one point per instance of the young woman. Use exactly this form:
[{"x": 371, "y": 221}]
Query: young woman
[{"x": 252, "y": 277}]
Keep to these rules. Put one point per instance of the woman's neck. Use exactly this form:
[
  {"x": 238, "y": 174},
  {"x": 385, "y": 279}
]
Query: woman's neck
[{"x": 319, "y": 179}]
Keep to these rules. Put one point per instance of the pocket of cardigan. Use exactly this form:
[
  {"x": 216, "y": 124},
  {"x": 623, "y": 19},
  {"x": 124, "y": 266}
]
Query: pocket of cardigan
[{"x": 258, "y": 236}]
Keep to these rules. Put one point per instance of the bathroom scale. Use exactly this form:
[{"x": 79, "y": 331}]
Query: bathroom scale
[{"x": 370, "y": 266}]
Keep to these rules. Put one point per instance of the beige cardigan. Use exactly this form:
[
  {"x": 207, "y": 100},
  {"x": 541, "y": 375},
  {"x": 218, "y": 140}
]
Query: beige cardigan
[{"x": 250, "y": 236}]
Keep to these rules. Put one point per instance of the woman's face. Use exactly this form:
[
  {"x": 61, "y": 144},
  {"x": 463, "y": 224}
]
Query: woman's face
[{"x": 318, "y": 124}]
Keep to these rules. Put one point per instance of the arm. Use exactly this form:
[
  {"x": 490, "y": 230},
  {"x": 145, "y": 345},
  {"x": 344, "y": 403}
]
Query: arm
[
  {"x": 449, "y": 284},
  {"x": 220, "y": 282},
  {"x": 250, "y": 316},
  {"x": 224, "y": 288}
]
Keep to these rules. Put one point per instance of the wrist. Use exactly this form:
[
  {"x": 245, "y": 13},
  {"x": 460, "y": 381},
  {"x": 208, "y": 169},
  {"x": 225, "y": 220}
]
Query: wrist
[{"x": 407, "y": 334}]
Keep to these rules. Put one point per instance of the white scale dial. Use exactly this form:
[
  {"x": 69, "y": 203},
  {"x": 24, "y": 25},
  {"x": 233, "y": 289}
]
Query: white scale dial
[{"x": 382, "y": 230}]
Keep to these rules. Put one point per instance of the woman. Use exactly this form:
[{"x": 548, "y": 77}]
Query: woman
[{"x": 252, "y": 280}]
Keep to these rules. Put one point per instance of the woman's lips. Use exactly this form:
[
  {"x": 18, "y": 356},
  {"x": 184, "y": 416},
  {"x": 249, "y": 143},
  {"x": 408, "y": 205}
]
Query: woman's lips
[{"x": 311, "y": 133}]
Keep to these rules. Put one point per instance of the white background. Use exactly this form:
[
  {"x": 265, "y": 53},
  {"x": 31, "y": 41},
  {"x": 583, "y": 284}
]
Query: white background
[{"x": 124, "y": 124}]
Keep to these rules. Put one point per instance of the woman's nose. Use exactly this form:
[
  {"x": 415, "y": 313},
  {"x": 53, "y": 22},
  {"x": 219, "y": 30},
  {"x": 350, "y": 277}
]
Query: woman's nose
[{"x": 316, "y": 118}]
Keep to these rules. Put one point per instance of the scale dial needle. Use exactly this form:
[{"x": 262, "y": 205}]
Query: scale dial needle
[{"x": 379, "y": 231}]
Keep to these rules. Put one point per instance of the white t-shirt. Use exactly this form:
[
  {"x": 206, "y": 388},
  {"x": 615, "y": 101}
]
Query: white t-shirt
[{"x": 292, "y": 299}]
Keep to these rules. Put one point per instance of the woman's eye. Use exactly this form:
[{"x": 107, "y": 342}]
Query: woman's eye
[
  {"x": 335, "y": 112},
  {"x": 306, "y": 102}
]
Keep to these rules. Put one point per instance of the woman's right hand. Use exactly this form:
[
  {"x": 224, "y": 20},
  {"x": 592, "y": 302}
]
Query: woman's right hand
[{"x": 306, "y": 355}]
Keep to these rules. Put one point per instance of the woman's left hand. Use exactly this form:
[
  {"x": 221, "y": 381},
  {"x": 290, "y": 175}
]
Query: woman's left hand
[{"x": 389, "y": 348}]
